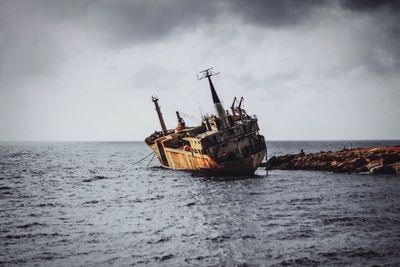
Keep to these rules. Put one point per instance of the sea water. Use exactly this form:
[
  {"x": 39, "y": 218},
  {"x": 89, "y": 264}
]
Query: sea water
[{"x": 88, "y": 204}]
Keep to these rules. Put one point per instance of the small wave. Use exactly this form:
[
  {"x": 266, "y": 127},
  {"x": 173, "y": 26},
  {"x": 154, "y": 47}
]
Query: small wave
[
  {"x": 305, "y": 261},
  {"x": 356, "y": 253},
  {"x": 47, "y": 205},
  {"x": 137, "y": 200},
  {"x": 95, "y": 178},
  {"x": 328, "y": 254},
  {"x": 328, "y": 221},
  {"x": 94, "y": 241},
  {"x": 257, "y": 193},
  {"x": 5, "y": 188},
  {"x": 164, "y": 257},
  {"x": 134, "y": 232},
  {"x": 300, "y": 234},
  {"x": 364, "y": 253},
  {"x": 200, "y": 258},
  {"x": 306, "y": 200},
  {"x": 157, "y": 197},
  {"x": 91, "y": 202},
  {"x": 161, "y": 240},
  {"x": 21, "y": 236},
  {"x": 17, "y": 154},
  {"x": 248, "y": 237},
  {"x": 219, "y": 238},
  {"x": 29, "y": 225}
]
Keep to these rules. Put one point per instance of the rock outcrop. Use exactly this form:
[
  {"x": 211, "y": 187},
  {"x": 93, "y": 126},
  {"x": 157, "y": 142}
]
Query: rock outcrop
[{"x": 357, "y": 160}]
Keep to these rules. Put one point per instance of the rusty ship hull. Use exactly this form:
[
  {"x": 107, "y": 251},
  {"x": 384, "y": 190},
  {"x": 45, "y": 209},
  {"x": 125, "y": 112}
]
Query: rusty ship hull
[
  {"x": 186, "y": 160},
  {"x": 227, "y": 143}
]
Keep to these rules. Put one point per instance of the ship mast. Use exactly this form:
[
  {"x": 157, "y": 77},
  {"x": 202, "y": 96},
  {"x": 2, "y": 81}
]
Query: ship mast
[
  {"x": 217, "y": 103},
  {"x": 160, "y": 116}
]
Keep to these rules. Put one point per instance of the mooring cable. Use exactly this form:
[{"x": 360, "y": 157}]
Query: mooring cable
[
  {"x": 151, "y": 159},
  {"x": 143, "y": 158}
]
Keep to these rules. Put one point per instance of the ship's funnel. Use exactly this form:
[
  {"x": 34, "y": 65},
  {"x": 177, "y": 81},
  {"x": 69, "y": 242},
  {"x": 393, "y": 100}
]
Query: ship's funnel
[
  {"x": 213, "y": 92},
  {"x": 219, "y": 109}
]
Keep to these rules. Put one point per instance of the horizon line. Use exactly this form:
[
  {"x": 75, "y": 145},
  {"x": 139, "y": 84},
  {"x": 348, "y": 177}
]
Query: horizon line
[{"x": 142, "y": 141}]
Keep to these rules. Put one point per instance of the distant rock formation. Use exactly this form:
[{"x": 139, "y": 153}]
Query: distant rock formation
[{"x": 357, "y": 160}]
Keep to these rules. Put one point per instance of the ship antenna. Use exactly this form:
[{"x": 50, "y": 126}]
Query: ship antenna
[
  {"x": 208, "y": 73},
  {"x": 240, "y": 107},
  {"x": 241, "y": 101},
  {"x": 201, "y": 113},
  {"x": 233, "y": 106}
]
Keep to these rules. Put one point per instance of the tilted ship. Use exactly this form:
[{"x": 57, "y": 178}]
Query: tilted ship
[{"x": 225, "y": 143}]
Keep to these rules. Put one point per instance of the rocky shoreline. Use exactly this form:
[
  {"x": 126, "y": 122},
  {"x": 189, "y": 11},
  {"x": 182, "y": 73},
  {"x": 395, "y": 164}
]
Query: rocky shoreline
[{"x": 357, "y": 160}]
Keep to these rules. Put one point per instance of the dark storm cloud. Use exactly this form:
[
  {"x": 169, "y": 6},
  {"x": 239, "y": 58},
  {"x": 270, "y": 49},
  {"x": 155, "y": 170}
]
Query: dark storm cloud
[
  {"x": 385, "y": 56},
  {"x": 33, "y": 42},
  {"x": 370, "y": 5},
  {"x": 287, "y": 12},
  {"x": 272, "y": 13},
  {"x": 126, "y": 23},
  {"x": 132, "y": 22},
  {"x": 33, "y": 38}
]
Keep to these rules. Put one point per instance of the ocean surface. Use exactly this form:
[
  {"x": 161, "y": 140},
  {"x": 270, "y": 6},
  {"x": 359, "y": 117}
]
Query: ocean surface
[{"x": 88, "y": 204}]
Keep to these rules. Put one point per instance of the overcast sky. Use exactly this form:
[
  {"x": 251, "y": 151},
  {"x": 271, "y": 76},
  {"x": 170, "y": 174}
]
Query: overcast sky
[{"x": 86, "y": 70}]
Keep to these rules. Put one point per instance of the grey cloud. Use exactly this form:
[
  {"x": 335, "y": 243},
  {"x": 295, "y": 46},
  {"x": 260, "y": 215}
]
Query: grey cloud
[
  {"x": 370, "y": 5},
  {"x": 38, "y": 56},
  {"x": 272, "y": 13},
  {"x": 132, "y": 22},
  {"x": 250, "y": 83},
  {"x": 27, "y": 46},
  {"x": 28, "y": 28},
  {"x": 276, "y": 13},
  {"x": 154, "y": 78},
  {"x": 126, "y": 23},
  {"x": 56, "y": 11},
  {"x": 31, "y": 32},
  {"x": 384, "y": 56}
]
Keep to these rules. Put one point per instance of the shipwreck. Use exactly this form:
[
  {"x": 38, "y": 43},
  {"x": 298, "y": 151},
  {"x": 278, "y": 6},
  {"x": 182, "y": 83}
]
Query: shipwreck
[{"x": 227, "y": 143}]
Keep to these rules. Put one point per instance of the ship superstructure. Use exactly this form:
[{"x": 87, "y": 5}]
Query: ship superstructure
[{"x": 226, "y": 143}]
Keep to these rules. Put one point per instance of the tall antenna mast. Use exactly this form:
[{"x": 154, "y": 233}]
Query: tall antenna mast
[
  {"x": 208, "y": 73},
  {"x": 160, "y": 116}
]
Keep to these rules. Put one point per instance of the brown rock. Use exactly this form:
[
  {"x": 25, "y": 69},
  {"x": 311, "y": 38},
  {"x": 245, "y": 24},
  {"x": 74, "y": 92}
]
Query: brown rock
[{"x": 376, "y": 160}]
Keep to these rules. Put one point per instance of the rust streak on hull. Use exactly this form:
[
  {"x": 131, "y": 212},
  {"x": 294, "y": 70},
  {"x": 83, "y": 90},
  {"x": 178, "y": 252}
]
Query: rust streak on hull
[{"x": 197, "y": 162}]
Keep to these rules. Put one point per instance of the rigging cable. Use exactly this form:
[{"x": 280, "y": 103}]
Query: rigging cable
[
  {"x": 151, "y": 159},
  {"x": 143, "y": 158}
]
